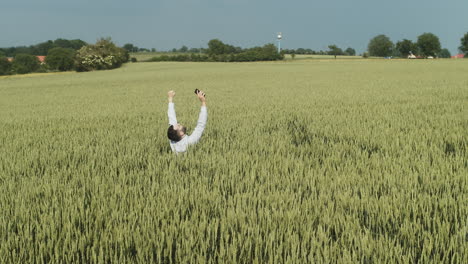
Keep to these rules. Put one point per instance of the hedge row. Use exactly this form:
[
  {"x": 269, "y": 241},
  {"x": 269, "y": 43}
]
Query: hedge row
[{"x": 101, "y": 56}]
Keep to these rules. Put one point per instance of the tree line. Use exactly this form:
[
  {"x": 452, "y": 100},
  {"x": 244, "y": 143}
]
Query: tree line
[
  {"x": 43, "y": 48},
  {"x": 66, "y": 55},
  {"x": 426, "y": 45},
  {"x": 219, "y": 51},
  {"x": 184, "y": 49},
  {"x": 62, "y": 55}
]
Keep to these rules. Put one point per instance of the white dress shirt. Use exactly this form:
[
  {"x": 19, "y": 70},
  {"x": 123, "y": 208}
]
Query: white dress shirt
[{"x": 182, "y": 145}]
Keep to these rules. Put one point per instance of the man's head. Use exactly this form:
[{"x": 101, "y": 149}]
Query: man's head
[{"x": 176, "y": 132}]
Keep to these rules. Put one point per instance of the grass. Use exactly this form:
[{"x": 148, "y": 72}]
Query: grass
[{"x": 320, "y": 161}]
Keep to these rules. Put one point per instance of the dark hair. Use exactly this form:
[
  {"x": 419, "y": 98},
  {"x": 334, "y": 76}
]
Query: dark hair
[{"x": 173, "y": 134}]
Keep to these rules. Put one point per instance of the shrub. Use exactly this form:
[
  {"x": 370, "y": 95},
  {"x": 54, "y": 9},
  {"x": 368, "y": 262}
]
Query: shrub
[
  {"x": 61, "y": 59},
  {"x": 103, "y": 55},
  {"x": 181, "y": 57},
  {"x": 265, "y": 53},
  {"x": 25, "y": 63},
  {"x": 5, "y": 66},
  {"x": 133, "y": 59}
]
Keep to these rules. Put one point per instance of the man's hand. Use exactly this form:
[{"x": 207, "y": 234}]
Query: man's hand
[
  {"x": 201, "y": 97},
  {"x": 170, "y": 95}
]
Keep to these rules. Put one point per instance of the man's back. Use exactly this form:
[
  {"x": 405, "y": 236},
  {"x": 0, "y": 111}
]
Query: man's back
[
  {"x": 186, "y": 141},
  {"x": 179, "y": 141}
]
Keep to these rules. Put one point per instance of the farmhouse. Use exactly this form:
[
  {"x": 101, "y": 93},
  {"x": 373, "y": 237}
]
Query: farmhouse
[
  {"x": 41, "y": 59},
  {"x": 458, "y": 56}
]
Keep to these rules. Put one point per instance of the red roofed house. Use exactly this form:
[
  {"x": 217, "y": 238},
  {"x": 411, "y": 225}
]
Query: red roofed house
[
  {"x": 458, "y": 56},
  {"x": 41, "y": 59}
]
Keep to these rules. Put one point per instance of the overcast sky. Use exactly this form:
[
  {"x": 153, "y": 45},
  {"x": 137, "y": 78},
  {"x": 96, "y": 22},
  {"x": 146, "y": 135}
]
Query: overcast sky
[{"x": 167, "y": 24}]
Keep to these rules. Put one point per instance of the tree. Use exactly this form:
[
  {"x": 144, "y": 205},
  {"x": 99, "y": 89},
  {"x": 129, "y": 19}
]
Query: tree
[
  {"x": 183, "y": 49},
  {"x": 25, "y": 63},
  {"x": 350, "y": 51},
  {"x": 43, "y": 48},
  {"x": 216, "y": 47},
  {"x": 334, "y": 50},
  {"x": 380, "y": 46},
  {"x": 77, "y": 44},
  {"x": 444, "y": 53},
  {"x": 62, "y": 43},
  {"x": 130, "y": 48},
  {"x": 464, "y": 45},
  {"x": 61, "y": 59},
  {"x": 429, "y": 44},
  {"x": 407, "y": 47},
  {"x": 103, "y": 55},
  {"x": 5, "y": 66}
]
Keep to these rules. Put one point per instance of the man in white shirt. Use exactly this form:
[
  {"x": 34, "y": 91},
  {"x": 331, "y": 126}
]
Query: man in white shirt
[{"x": 176, "y": 132}]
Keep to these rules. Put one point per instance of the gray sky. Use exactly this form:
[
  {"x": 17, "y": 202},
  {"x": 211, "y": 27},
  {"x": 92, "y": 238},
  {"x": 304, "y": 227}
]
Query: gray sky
[{"x": 167, "y": 24}]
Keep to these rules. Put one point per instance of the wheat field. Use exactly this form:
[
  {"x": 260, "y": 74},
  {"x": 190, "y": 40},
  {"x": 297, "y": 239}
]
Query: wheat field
[{"x": 320, "y": 161}]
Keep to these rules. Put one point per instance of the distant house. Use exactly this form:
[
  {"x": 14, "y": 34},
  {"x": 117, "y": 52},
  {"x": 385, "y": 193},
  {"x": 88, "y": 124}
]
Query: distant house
[
  {"x": 41, "y": 59},
  {"x": 458, "y": 56}
]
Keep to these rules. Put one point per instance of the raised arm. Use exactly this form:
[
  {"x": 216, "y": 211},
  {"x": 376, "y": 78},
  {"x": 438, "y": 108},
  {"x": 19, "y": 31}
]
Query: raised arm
[
  {"x": 171, "y": 110},
  {"x": 202, "y": 119}
]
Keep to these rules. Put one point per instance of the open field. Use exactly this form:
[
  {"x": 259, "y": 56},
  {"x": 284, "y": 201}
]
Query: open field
[
  {"x": 308, "y": 57},
  {"x": 333, "y": 161},
  {"x": 143, "y": 56}
]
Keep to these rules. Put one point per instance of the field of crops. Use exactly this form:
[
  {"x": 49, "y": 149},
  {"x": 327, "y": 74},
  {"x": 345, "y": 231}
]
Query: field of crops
[
  {"x": 326, "y": 161},
  {"x": 144, "y": 56}
]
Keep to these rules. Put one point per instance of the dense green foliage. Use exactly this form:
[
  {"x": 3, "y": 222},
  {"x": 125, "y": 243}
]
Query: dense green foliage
[
  {"x": 428, "y": 44},
  {"x": 181, "y": 57},
  {"x": 406, "y": 47},
  {"x": 268, "y": 52},
  {"x": 103, "y": 55},
  {"x": 25, "y": 63},
  {"x": 334, "y": 50},
  {"x": 464, "y": 45},
  {"x": 219, "y": 52},
  {"x": 350, "y": 51},
  {"x": 130, "y": 47},
  {"x": 61, "y": 59},
  {"x": 304, "y": 51},
  {"x": 217, "y": 47},
  {"x": 444, "y": 53},
  {"x": 5, "y": 66},
  {"x": 326, "y": 161},
  {"x": 44, "y": 47},
  {"x": 380, "y": 46}
]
